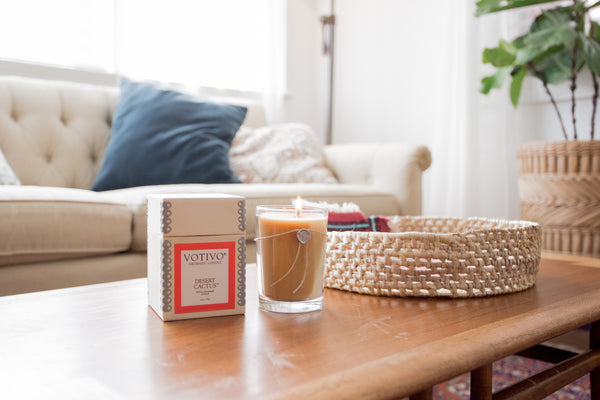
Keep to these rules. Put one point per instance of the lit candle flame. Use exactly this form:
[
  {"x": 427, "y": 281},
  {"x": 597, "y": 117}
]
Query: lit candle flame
[{"x": 298, "y": 206}]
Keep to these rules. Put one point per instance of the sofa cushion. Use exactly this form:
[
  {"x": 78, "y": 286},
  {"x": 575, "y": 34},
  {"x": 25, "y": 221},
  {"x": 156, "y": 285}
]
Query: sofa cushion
[
  {"x": 161, "y": 136},
  {"x": 370, "y": 200},
  {"x": 7, "y": 175},
  {"x": 284, "y": 153},
  {"x": 54, "y": 133},
  {"x": 44, "y": 223}
]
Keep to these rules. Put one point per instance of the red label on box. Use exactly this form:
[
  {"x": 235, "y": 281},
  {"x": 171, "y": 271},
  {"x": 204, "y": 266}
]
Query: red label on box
[{"x": 204, "y": 277}]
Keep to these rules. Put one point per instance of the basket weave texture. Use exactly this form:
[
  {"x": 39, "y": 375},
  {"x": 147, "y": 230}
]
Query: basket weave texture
[
  {"x": 559, "y": 187},
  {"x": 436, "y": 257}
]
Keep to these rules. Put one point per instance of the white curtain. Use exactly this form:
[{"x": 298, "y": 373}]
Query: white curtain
[
  {"x": 275, "y": 83},
  {"x": 224, "y": 44},
  {"x": 66, "y": 33},
  {"x": 474, "y": 144}
]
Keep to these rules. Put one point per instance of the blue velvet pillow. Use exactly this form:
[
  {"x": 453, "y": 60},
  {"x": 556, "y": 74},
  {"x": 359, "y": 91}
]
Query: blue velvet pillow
[{"x": 160, "y": 136}]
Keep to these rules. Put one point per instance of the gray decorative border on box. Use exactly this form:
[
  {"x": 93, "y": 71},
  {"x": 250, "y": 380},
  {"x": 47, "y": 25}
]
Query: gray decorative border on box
[
  {"x": 241, "y": 271},
  {"x": 166, "y": 216},
  {"x": 242, "y": 215},
  {"x": 167, "y": 276}
]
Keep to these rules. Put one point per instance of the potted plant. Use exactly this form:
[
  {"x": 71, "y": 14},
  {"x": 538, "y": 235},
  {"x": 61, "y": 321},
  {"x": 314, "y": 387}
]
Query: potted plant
[{"x": 559, "y": 182}]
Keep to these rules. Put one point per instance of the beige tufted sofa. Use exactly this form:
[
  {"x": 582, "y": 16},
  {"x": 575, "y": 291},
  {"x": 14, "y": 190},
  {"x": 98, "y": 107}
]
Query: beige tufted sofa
[{"x": 55, "y": 232}]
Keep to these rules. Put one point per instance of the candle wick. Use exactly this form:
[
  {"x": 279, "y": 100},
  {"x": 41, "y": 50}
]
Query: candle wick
[{"x": 298, "y": 206}]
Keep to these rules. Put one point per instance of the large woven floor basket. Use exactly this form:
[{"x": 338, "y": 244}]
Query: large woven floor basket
[
  {"x": 559, "y": 187},
  {"x": 436, "y": 257}
]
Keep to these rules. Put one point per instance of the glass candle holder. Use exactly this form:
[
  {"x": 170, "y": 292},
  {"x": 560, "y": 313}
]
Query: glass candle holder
[{"x": 291, "y": 246}]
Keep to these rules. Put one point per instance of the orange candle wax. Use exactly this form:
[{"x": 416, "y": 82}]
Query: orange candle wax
[{"x": 289, "y": 269}]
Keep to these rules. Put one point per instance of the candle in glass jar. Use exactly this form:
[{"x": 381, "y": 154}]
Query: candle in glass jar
[{"x": 292, "y": 253}]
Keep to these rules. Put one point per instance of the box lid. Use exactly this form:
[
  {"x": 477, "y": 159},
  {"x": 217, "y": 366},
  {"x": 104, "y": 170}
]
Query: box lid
[{"x": 196, "y": 214}]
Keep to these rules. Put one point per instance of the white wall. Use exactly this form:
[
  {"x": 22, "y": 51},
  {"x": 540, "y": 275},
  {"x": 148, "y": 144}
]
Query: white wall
[
  {"x": 386, "y": 70},
  {"x": 306, "y": 67},
  {"x": 390, "y": 62},
  {"x": 394, "y": 69},
  {"x": 537, "y": 119}
]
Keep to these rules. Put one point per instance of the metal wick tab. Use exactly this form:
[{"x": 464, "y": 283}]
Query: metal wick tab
[{"x": 303, "y": 235}]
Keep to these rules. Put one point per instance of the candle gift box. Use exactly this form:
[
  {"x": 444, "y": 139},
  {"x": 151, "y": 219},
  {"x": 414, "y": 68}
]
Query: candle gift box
[{"x": 196, "y": 255}]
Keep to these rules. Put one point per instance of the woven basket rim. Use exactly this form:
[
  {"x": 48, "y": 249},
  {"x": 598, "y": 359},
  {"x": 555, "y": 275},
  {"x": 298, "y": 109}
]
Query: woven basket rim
[
  {"x": 550, "y": 147},
  {"x": 518, "y": 225},
  {"x": 578, "y": 142}
]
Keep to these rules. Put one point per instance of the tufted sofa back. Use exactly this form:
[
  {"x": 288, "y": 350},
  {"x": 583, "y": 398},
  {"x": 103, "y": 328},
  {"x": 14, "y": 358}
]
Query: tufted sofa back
[{"x": 55, "y": 133}]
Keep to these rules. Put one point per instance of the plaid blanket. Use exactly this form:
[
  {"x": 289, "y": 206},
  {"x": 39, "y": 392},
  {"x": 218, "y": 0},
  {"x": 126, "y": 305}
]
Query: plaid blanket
[{"x": 356, "y": 221}]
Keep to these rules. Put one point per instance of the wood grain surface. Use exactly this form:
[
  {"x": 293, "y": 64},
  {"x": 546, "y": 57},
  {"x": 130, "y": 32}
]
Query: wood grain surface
[{"x": 103, "y": 341}]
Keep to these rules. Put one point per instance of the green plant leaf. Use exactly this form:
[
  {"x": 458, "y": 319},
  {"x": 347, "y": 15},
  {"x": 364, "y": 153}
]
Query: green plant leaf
[
  {"x": 500, "y": 56},
  {"x": 516, "y": 85},
  {"x": 550, "y": 19},
  {"x": 491, "y": 6},
  {"x": 494, "y": 81},
  {"x": 555, "y": 66},
  {"x": 552, "y": 29},
  {"x": 595, "y": 31},
  {"x": 591, "y": 53}
]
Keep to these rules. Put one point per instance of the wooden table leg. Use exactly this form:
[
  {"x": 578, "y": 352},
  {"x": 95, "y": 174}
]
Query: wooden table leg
[
  {"x": 595, "y": 374},
  {"x": 481, "y": 383},
  {"x": 426, "y": 394}
]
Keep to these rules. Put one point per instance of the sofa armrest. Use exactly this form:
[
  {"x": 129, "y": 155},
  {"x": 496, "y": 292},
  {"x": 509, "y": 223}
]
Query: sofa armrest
[{"x": 392, "y": 167}]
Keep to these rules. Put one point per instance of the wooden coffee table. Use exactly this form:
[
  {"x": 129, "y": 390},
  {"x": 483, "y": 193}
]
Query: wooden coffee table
[{"x": 103, "y": 341}]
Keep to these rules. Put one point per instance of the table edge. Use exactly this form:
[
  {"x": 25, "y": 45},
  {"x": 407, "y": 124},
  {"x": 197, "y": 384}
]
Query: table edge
[{"x": 419, "y": 368}]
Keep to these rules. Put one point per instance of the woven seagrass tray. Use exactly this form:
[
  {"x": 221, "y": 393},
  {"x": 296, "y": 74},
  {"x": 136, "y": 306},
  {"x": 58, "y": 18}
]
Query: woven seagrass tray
[{"x": 436, "y": 257}]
